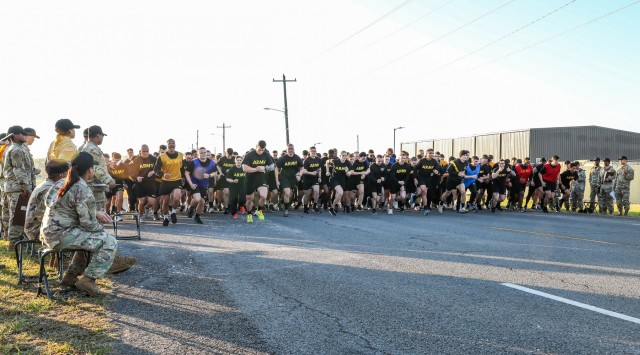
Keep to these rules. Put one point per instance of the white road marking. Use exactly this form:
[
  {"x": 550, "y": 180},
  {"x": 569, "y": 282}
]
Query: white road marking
[{"x": 574, "y": 303}]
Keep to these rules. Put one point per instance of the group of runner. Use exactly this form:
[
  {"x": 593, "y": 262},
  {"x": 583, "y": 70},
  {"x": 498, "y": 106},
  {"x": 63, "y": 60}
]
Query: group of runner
[{"x": 259, "y": 180}]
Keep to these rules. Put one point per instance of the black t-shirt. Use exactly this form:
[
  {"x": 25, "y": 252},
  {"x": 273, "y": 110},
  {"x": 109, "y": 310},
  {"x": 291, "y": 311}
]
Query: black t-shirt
[
  {"x": 312, "y": 165},
  {"x": 454, "y": 168},
  {"x": 340, "y": 168},
  {"x": 425, "y": 168},
  {"x": 501, "y": 179},
  {"x": 289, "y": 165},
  {"x": 377, "y": 172},
  {"x": 254, "y": 160},
  {"x": 484, "y": 171},
  {"x": 566, "y": 177},
  {"x": 236, "y": 173},
  {"x": 142, "y": 166},
  {"x": 225, "y": 164},
  {"x": 400, "y": 172},
  {"x": 358, "y": 167}
]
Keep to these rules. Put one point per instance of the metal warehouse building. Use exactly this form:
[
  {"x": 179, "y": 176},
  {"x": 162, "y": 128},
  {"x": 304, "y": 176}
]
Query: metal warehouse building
[{"x": 569, "y": 143}]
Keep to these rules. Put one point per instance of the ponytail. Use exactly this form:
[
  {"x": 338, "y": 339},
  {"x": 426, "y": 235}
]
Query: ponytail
[{"x": 73, "y": 176}]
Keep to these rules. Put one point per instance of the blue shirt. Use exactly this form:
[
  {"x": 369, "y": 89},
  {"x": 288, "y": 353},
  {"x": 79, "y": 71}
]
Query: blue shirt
[{"x": 468, "y": 171}]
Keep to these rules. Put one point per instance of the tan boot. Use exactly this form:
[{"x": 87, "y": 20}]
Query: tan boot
[
  {"x": 117, "y": 267},
  {"x": 69, "y": 280},
  {"x": 88, "y": 285},
  {"x": 129, "y": 260}
]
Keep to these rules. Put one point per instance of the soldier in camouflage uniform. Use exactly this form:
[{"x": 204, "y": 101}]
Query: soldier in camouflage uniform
[
  {"x": 101, "y": 176},
  {"x": 577, "y": 190},
  {"x": 56, "y": 170},
  {"x": 5, "y": 141},
  {"x": 622, "y": 186},
  {"x": 594, "y": 184},
  {"x": 17, "y": 168},
  {"x": 63, "y": 147},
  {"x": 607, "y": 179},
  {"x": 71, "y": 221}
]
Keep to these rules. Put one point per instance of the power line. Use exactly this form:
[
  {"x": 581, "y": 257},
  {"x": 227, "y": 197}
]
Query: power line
[
  {"x": 439, "y": 38},
  {"x": 557, "y": 35},
  {"x": 501, "y": 38},
  {"x": 409, "y": 24},
  {"x": 359, "y": 31}
]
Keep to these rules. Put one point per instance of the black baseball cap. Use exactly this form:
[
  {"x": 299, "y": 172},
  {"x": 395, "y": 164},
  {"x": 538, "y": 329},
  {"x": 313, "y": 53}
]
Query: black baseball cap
[
  {"x": 94, "y": 130},
  {"x": 16, "y": 130},
  {"x": 66, "y": 124},
  {"x": 624, "y": 157},
  {"x": 31, "y": 132},
  {"x": 596, "y": 159},
  {"x": 607, "y": 160}
]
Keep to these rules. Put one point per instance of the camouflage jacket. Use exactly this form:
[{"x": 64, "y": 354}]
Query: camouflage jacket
[
  {"x": 77, "y": 208},
  {"x": 607, "y": 175},
  {"x": 35, "y": 209},
  {"x": 101, "y": 170},
  {"x": 62, "y": 148},
  {"x": 624, "y": 176},
  {"x": 17, "y": 169},
  {"x": 579, "y": 183},
  {"x": 594, "y": 175}
]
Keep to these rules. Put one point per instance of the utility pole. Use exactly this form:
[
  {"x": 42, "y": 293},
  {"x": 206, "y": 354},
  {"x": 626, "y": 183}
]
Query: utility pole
[
  {"x": 286, "y": 109},
  {"x": 197, "y": 139},
  {"x": 358, "y": 142},
  {"x": 224, "y": 127}
]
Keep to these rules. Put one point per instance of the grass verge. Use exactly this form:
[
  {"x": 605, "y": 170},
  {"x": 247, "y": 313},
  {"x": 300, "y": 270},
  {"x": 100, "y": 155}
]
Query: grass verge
[{"x": 35, "y": 325}]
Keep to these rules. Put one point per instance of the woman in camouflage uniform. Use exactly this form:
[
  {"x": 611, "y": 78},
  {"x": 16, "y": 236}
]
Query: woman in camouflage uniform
[{"x": 72, "y": 222}]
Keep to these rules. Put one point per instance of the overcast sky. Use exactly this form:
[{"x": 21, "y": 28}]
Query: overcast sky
[{"x": 149, "y": 70}]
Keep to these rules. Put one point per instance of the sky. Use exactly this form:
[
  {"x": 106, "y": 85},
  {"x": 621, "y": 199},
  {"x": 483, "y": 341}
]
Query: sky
[{"x": 146, "y": 71}]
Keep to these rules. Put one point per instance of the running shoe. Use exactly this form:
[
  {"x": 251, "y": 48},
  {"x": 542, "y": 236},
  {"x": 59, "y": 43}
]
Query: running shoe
[
  {"x": 174, "y": 217},
  {"x": 390, "y": 211},
  {"x": 235, "y": 215},
  {"x": 249, "y": 218},
  {"x": 165, "y": 222},
  {"x": 260, "y": 215},
  {"x": 426, "y": 212},
  {"x": 242, "y": 210},
  {"x": 440, "y": 208},
  {"x": 197, "y": 219},
  {"x": 286, "y": 213},
  {"x": 332, "y": 211}
]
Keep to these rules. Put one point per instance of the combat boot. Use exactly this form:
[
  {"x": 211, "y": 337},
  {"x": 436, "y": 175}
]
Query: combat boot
[
  {"x": 69, "y": 280},
  {"x": 88, "y": 285}
]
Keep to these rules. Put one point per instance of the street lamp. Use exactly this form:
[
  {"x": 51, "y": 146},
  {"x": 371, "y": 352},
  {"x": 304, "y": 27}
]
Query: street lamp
[
  {"x": 315, "y": 144},
  {"x": 286, "y": 120},
  {"x": 394, "y": 137}
]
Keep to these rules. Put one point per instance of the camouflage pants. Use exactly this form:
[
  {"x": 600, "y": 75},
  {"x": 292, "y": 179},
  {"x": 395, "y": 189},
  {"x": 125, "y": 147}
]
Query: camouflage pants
[
  {"x": 577, "y": 198},
  {"x": 2, "y": 221},
  {"x": 605, "y": 199},
  {"x": 9, "y": 202},
  {"x": 100, "y": 200},
  {"x": 102, "y": 246},
  {"x": 622, "y": 198},
  {"x": 592, "y": 194}
]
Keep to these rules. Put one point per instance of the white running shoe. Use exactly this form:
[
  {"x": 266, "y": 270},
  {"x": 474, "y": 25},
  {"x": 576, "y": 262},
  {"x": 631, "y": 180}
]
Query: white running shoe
[{"x": 390, "y": 211}]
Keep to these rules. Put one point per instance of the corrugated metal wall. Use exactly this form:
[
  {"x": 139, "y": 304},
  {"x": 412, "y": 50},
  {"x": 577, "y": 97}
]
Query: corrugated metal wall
[
  {"x": 587, "y": 142},
  {"x": 468, "y": 143},
  {"x": 488, "y": 144},
  {"x": 444, "y": 146},
  {"x": 514, "y": 144}
]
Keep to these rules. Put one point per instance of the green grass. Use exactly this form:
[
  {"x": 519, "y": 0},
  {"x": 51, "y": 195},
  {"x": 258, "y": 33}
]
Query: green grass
[{"x": 35, "y": 325}]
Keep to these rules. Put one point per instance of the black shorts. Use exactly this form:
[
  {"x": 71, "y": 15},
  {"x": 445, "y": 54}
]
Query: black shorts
[
  {"x": 287, "y": 181},
  {"x": 114, "y": 190},
  {"x": 146, "y": 189},
  {"x": 453, "y": 184},
  {"x": 253, "y": 181},
  {"x": 376, "y": 187},
  {"x": 499, "y": 189},
  {"x": 550, "y": 186},
  {"x": 186, "y": 186},
  {"x": 353, "y": 182},
  {"x": 167, "y": 187},
  {"x": 395, "y": 187},
  {"x": 482, "y": 185},
  {"x": 516, "y": 188},
  {"x": 271, "y": 181},
  {"x": 308, "y": 181},
  {"x": 200, "y": 190},
  {"x": 563, "y": 189},
  {"x": 336, "y": 181},
  {"x": 411, "y": 187},
  {"x": 221, "y": 184}
]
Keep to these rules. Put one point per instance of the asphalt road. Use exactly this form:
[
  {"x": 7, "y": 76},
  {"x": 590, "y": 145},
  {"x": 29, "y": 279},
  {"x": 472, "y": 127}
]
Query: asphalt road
[{"x": 405, "y": 283}]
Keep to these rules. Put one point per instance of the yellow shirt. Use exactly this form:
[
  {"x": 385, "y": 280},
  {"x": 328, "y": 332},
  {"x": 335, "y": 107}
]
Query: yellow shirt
[
  {"x": 171, "y": 166},
  {"x": 62, "y": 148}
]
